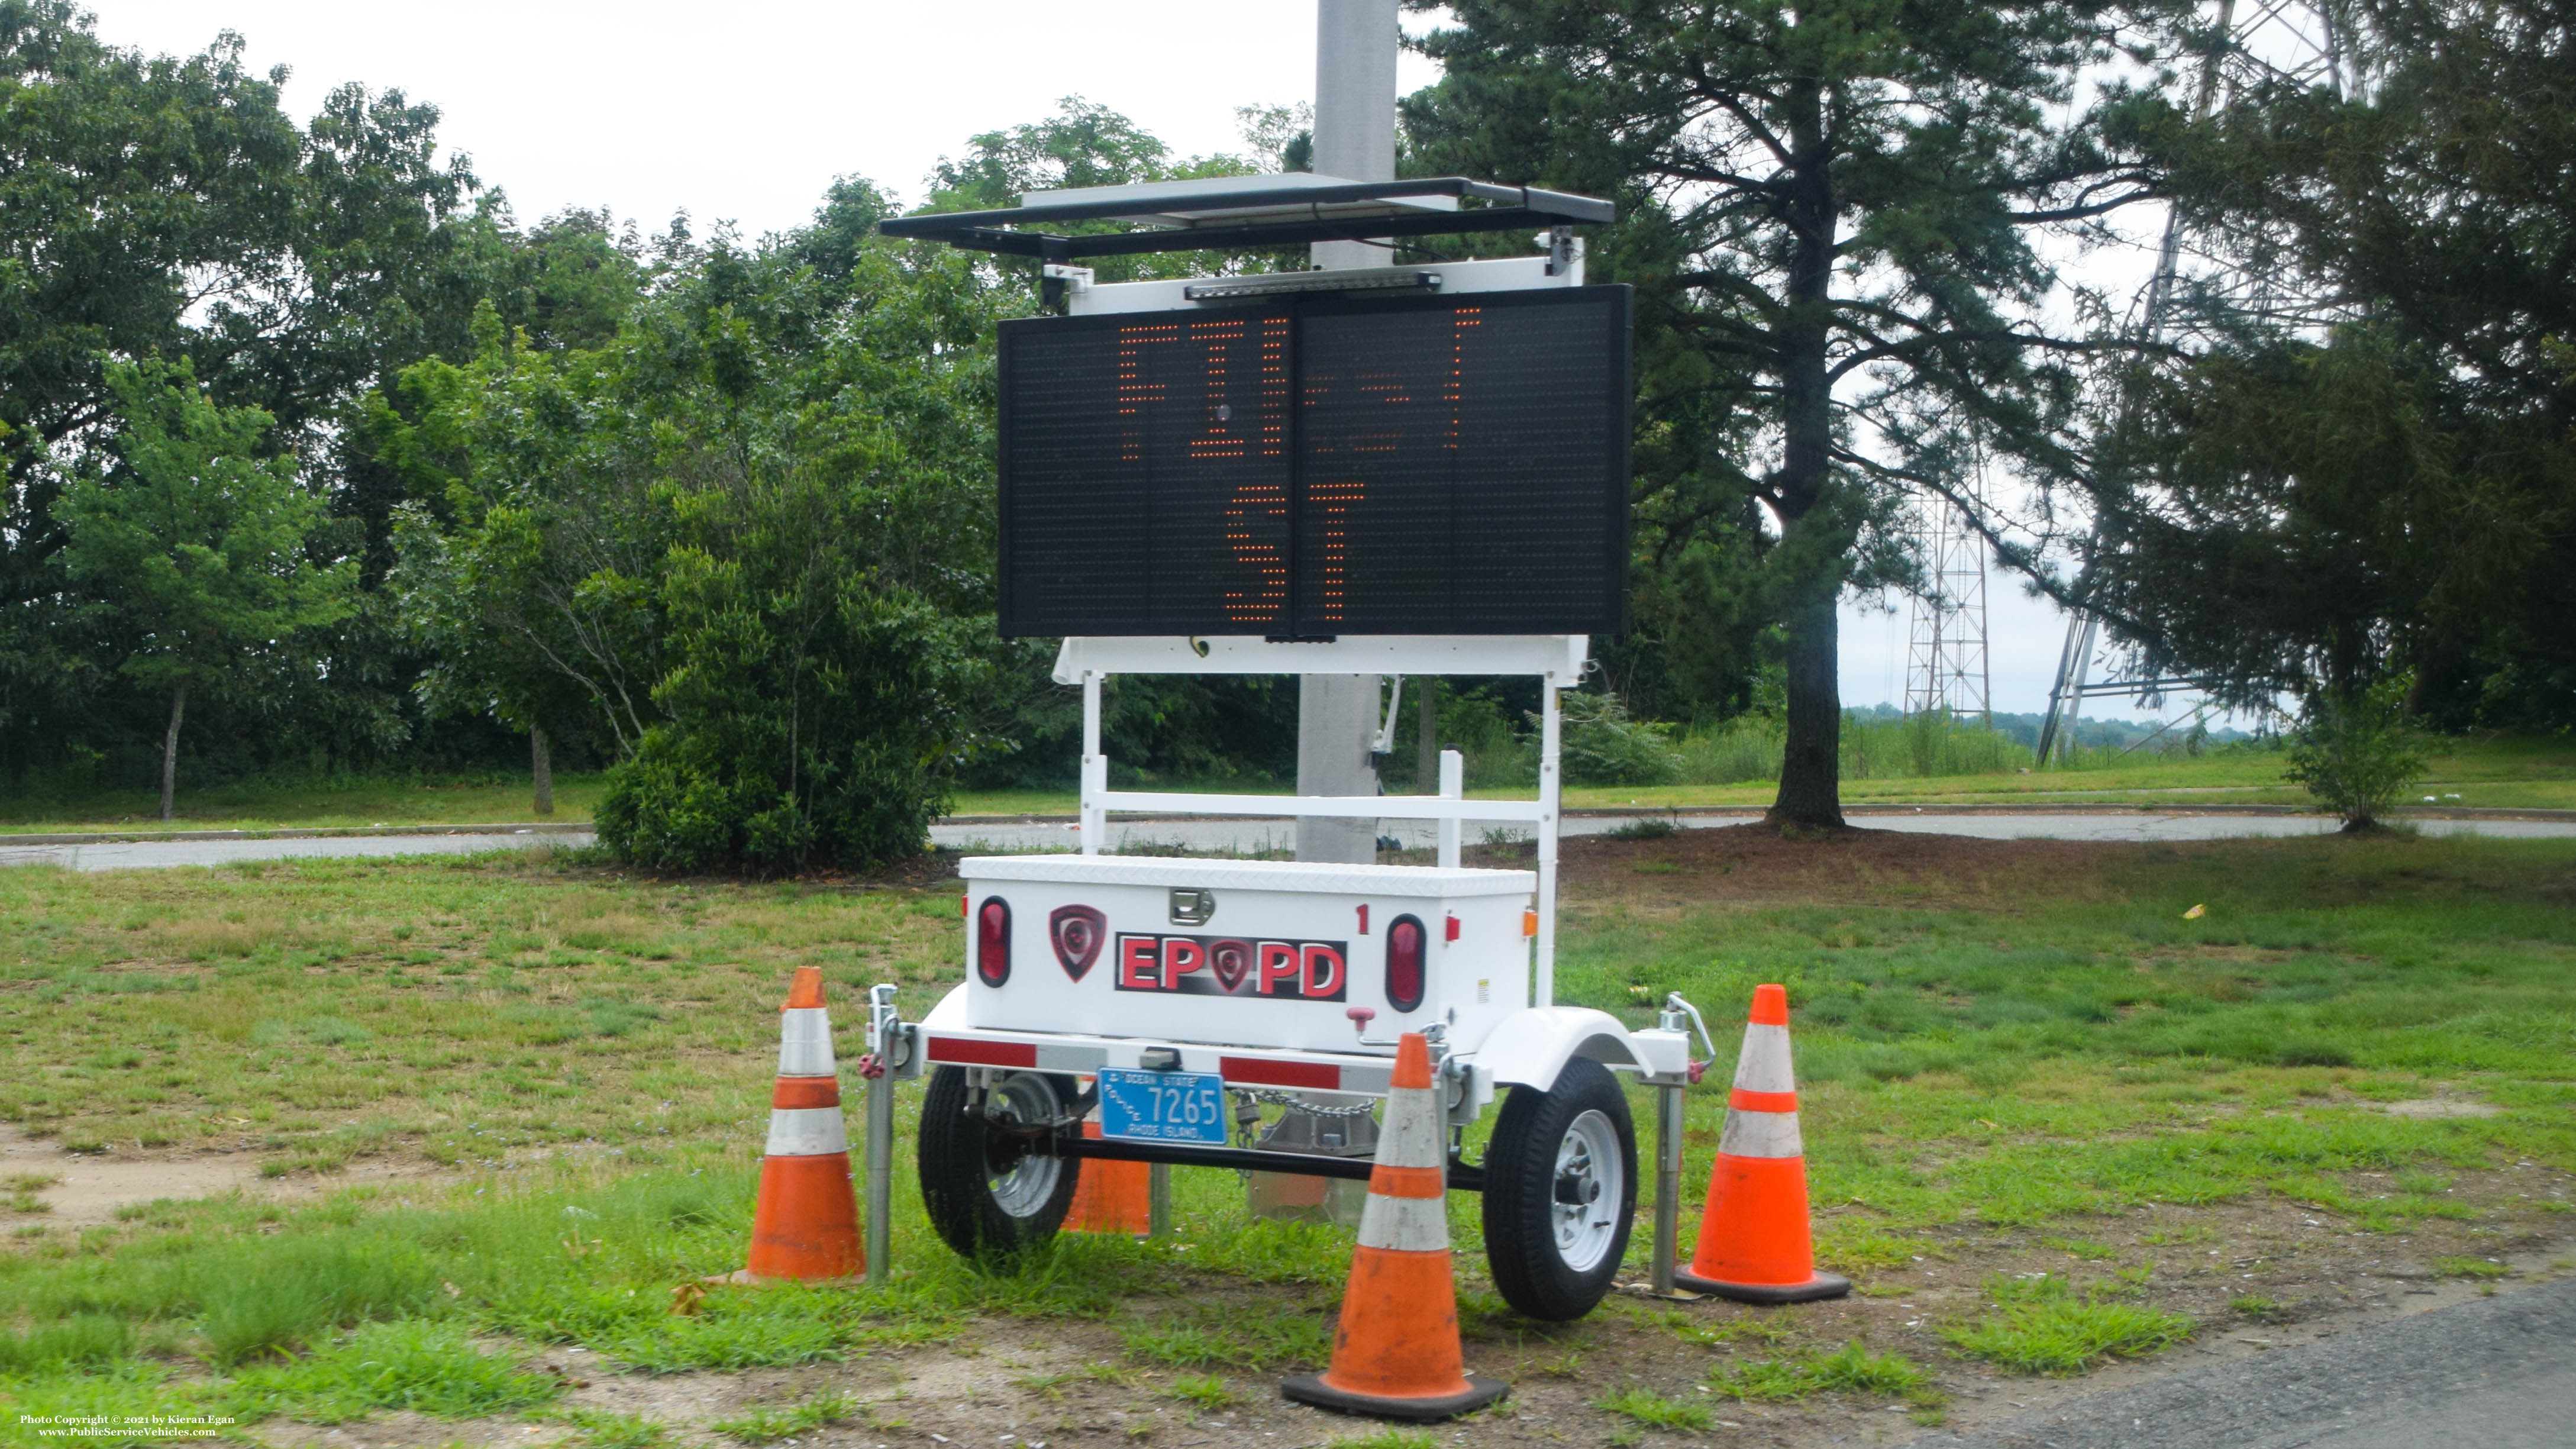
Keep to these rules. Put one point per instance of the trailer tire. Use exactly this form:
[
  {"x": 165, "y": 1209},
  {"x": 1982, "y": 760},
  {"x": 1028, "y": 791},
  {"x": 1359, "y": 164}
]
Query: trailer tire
[
  {"x": 987, "y": 1196},
  {"x": 1560, "y": 1192}
]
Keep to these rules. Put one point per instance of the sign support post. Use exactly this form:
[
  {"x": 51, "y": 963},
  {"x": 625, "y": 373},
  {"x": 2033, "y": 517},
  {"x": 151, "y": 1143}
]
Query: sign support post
[{"x": 1337, "y": 714}]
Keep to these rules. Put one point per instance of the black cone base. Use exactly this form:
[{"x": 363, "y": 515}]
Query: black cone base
[
  {"x": 1311, "y": 1389},
  {"x": 1823, "y": 1285}
]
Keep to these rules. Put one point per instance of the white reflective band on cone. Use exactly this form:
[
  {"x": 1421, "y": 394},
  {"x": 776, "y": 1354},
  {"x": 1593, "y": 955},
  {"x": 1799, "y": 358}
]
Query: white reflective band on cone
[
  {"x": 1764, "y": 1067},
  {"x": 1412, "y": 1137},
  {"x": 806, "y": 1132},
  {"x": 1760, "y": 1134},
  {"x": 805, "y": 1042},
  {"x": 1406, "y": 1224}
]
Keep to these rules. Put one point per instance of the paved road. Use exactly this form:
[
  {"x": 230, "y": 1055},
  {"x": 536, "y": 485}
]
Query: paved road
[
  {"x": 156, "y": 854},
  {"x": 2493, "y": 1373},
  {"x": 1241, "y": 835},
  {"x": 1255, "y": 835}
]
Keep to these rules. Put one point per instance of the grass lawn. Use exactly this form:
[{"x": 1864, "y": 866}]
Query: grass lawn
[
  {"x": 2492, "y": 772},
  {"x": 505, "y": 1106},
  {"x": 2480, "y": 772}
]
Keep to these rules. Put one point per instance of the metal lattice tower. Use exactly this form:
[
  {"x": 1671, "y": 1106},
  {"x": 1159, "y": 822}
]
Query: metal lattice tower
[
  {"x": 2267, "y": 43},
  {"x": 1945, "y": 657}
]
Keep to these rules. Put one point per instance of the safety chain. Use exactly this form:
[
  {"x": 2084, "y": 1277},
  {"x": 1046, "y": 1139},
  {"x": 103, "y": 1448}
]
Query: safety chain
[
  {"x": 1247, "y": 1111},
  {"x": 1292, "y": 1099}
]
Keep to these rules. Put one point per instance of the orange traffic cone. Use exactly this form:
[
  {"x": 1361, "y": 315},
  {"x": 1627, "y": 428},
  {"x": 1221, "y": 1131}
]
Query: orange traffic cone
[
  {"x": 1397, "y": 1353},
  {"x": 1110, "y": 1197},
  {"x": 807, "y": 1221},
  {"x": 1754, "y": 1244}
]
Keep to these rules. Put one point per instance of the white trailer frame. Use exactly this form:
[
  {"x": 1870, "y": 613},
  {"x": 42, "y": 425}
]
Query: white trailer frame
[
  {"x": 1557, "y": 659},
  {"x": 1529, "y": 1048}
]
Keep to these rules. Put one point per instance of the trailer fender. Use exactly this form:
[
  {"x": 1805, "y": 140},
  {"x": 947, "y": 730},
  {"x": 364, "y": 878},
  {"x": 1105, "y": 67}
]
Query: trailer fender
[
  {"x": 1532, "y": 1046},
  {"x": 950, "y": 1013}
]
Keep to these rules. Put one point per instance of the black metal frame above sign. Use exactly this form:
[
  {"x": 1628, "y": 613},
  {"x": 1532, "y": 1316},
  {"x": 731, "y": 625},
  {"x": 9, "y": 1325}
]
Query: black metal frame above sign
[{"x": 1258, "y": 215}]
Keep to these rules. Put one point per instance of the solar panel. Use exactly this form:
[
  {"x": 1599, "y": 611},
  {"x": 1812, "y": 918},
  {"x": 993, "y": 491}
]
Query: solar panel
[{"x": 1312, "y": 466}]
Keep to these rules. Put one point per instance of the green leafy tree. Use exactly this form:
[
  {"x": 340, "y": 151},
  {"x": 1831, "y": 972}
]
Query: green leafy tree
[
  {"x": 745, "y": 540},
  {"x": 529, "y": 580},
  {"x": 2387, "y": 483},
  {"x": 1829, "y": 214},
  {"x": 191, "y": 544},
  {"x": 2299, "y": 518},
  {"x": 167, "y": 206},
  {"x": 164, "y": 206},
  {"x": 126, "y": 178},
  {"x": 1084, "y": 144}
]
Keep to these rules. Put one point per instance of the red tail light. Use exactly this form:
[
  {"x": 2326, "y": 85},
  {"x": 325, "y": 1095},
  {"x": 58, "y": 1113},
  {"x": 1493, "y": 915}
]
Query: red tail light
[
  {"x": 1406, "y": 943},
  {"x": 993, "y": 941}
]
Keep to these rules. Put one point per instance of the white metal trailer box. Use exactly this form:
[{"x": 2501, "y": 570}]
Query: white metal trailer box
[{"x": 1243, "y": 953}]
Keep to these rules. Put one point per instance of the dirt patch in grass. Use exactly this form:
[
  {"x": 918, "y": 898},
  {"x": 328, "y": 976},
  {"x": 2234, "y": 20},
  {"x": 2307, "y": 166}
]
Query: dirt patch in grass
[
  {"x": 85, "y": 1189},
  {"x": 1756, "y": 864}
]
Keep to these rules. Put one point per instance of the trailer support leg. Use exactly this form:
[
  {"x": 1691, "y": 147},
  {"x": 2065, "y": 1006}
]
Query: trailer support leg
[
  {"x": 1158, "y": 1200},
  {"x": 880, "y": 1173},
  {"x": 1668, "y": 1187}
]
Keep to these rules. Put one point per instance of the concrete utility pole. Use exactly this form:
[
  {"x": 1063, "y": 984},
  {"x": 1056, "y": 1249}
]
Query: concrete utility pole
[{"x": 1355, "y": 44}]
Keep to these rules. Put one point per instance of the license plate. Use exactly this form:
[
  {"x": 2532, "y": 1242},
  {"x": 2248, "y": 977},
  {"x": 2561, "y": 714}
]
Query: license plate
[{"x": 1162, "y": 1106}]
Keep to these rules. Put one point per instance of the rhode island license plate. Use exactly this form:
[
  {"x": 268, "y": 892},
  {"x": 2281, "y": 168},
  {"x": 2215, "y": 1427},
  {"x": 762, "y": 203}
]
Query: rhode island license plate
[{"x": 1162, "y": 1106}]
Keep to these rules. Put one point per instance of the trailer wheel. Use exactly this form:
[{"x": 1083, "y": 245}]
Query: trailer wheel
[
  {"x": 987, "y": 1194},
  {"x": 1560, "y": 1191}
]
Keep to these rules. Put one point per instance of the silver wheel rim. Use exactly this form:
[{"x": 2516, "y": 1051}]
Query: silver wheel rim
[
  {"x": 1023, "y": 1190},
  {"x": 1588, "y": 1169}
]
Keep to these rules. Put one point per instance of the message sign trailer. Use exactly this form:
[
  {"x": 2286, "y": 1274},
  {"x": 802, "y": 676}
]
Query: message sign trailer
[
  {"x": 1242, "y": 980},
  {"x": 1173, "y": 996}
]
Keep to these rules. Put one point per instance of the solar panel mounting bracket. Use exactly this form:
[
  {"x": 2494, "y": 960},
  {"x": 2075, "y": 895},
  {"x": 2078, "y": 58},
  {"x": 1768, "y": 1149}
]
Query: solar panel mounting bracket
[{"x": 1249, "y": 213}]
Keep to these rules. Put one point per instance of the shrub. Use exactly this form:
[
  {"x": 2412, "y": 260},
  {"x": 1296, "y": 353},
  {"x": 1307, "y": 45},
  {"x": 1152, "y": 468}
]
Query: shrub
[
  {"x": 1603, "y": 746},
  {"x": 814, "y": 708},
  {"x": 2355, "y": 751}
]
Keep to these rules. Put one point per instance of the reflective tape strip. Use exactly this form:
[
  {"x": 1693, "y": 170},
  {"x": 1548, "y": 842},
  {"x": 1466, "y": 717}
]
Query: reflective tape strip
[
  {"x": 972, "y": 1052},
  {"x": 1761, "y": 1134},
  {"x": 1405, "y": 1224},
  {"x": 806, "y": 1132},
  {"x": 1072, "y": 1058},
  {"x": 799, "y": 1092},
  {"x": 1271, "y": 1072},
  {"x": 1412, "y": 1136},
  {"x": 1409, "y": 1181},
  {"x": 1744, "y": 1101},
  {"x": 805, "y": 1042},
  {"x": 1764, "y": 1066},
  {"x": 1365, "y": 1079}
]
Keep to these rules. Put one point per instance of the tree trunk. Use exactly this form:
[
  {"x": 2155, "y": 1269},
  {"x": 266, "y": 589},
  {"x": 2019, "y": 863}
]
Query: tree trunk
[
  {"x": 543, "y": 766},
  {"x": 170, "y": 751},
  {"x": 1426, "y": 752},
  {"x": 1811, "y": 767},
  {"x": 1816, "y": 528}
]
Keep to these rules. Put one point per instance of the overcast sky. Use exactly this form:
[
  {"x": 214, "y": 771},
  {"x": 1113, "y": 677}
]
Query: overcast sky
[{"x": 746, "y": 111}]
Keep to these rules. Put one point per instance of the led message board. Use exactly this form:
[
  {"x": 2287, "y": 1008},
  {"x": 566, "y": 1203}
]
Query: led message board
[{"x": 1312, "y": 466}]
